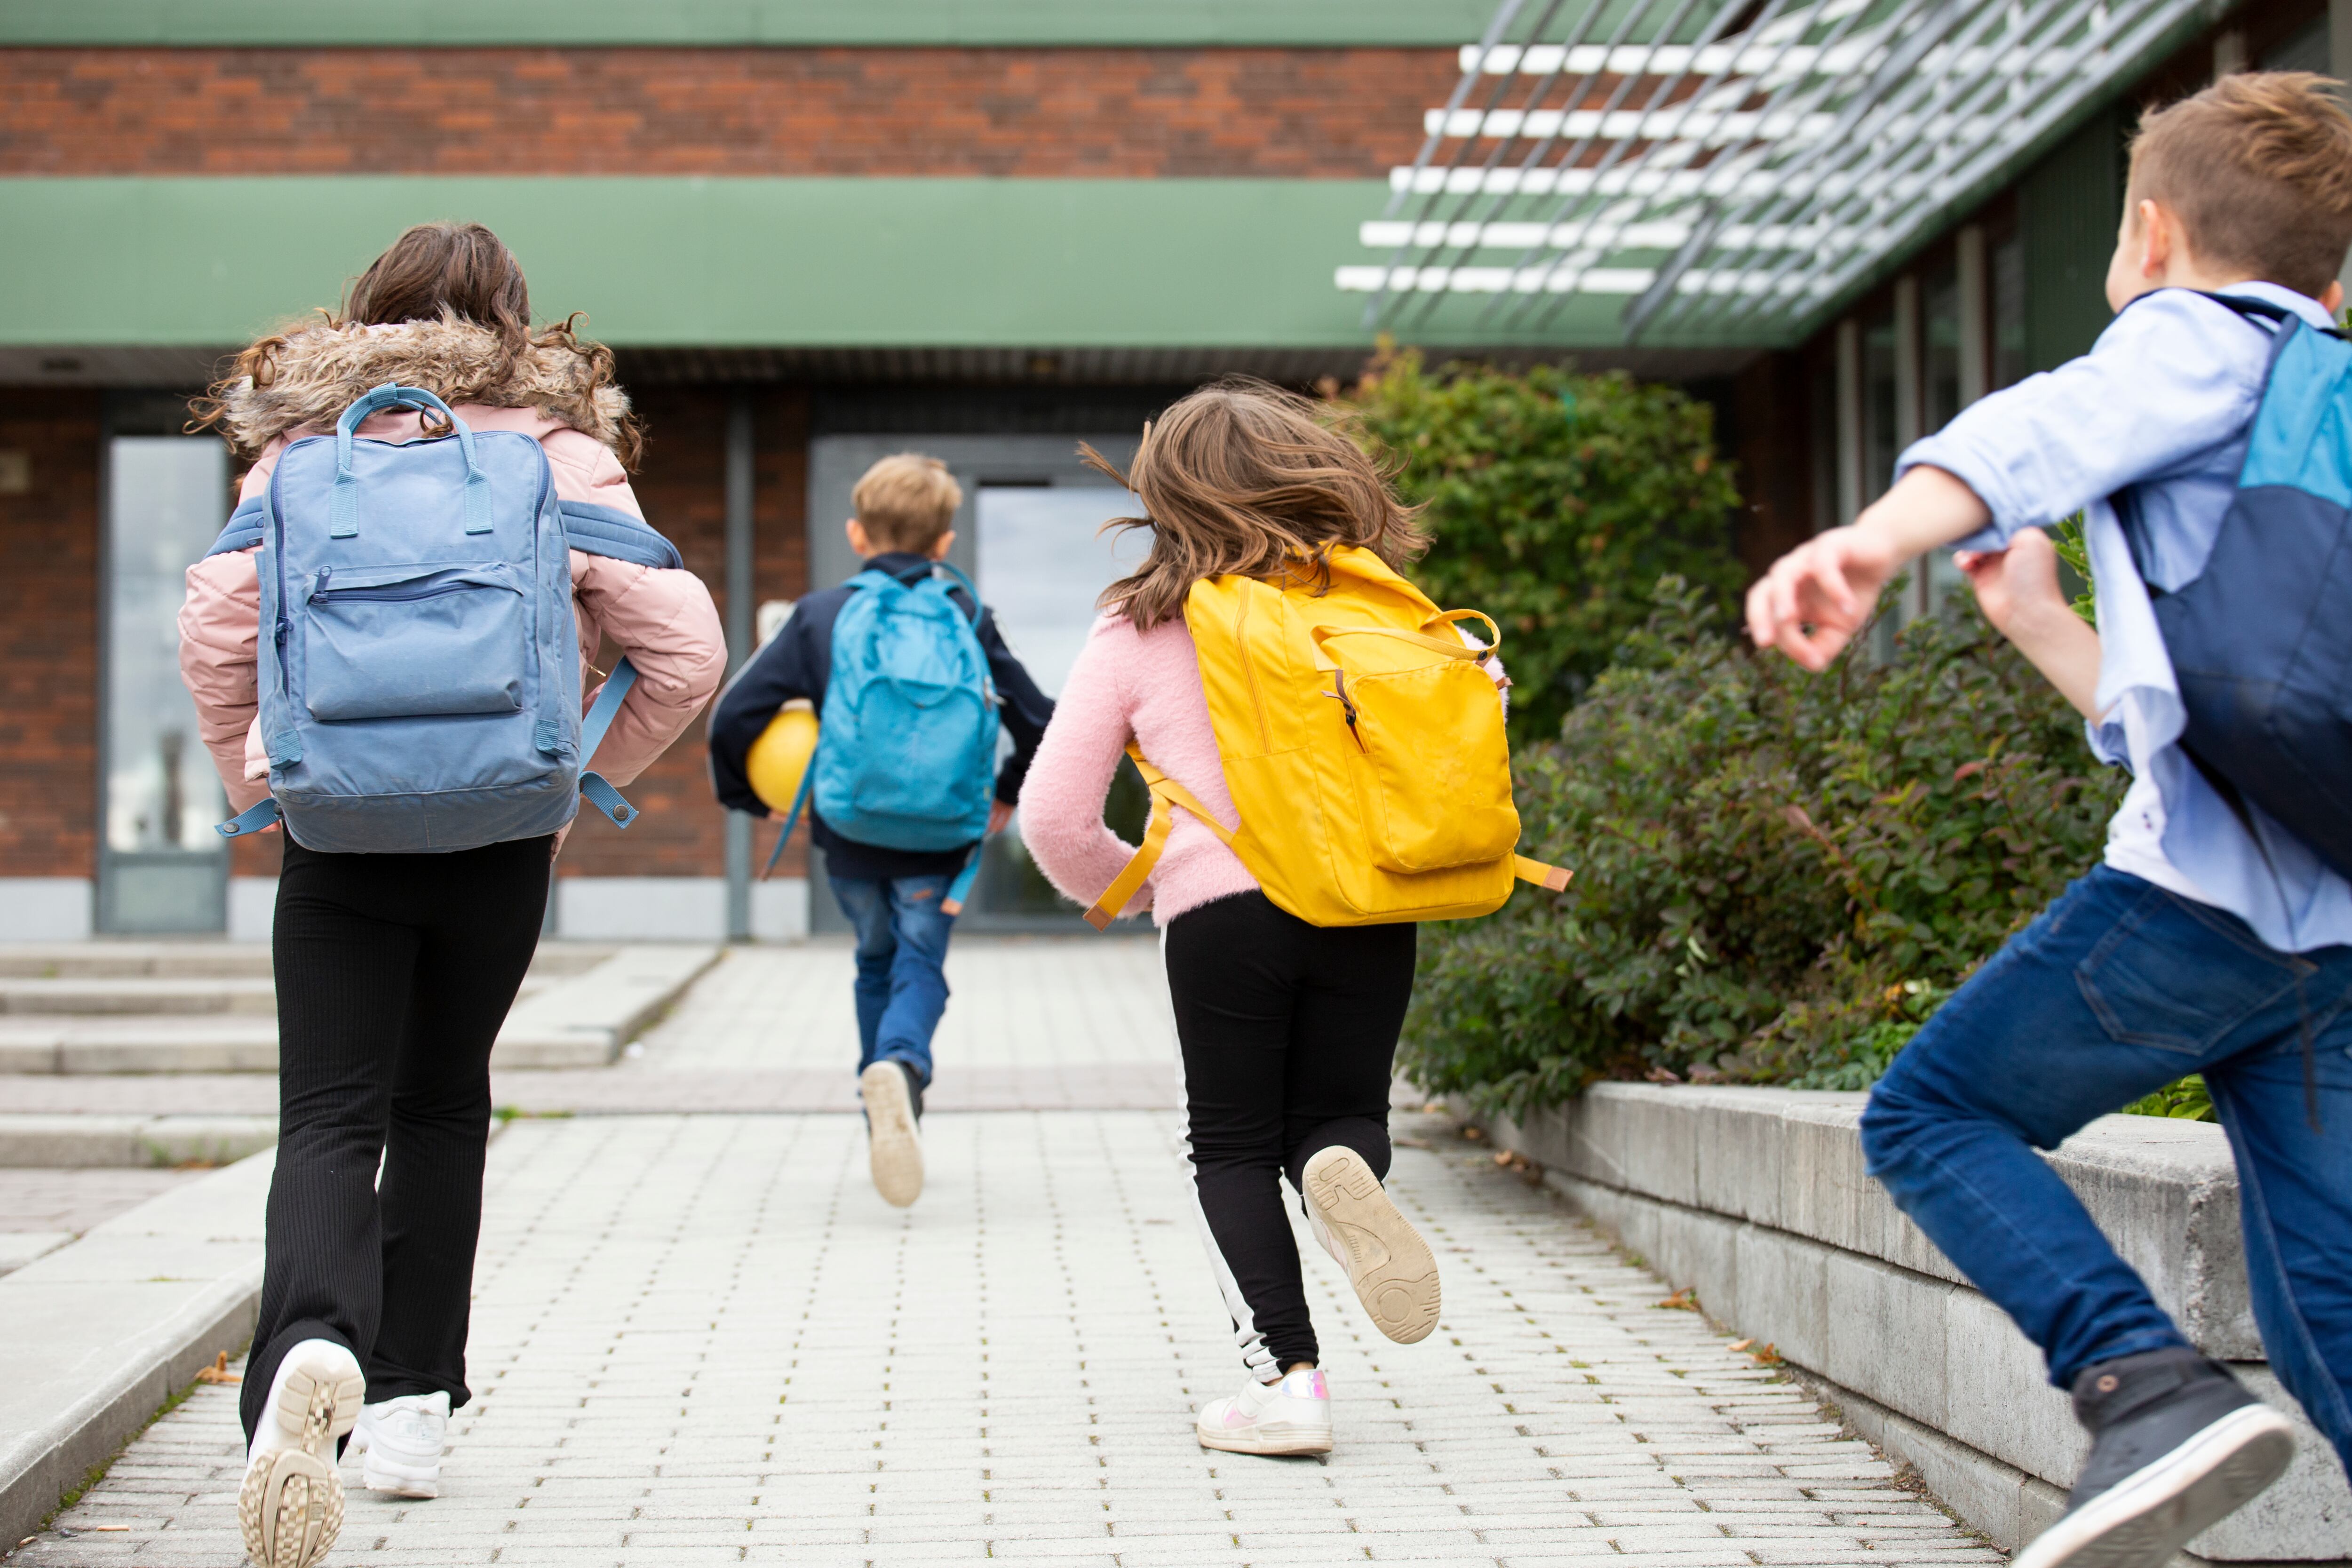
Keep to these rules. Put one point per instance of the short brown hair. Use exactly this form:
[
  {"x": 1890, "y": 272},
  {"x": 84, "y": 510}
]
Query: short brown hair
[
  {"x": 1245, "y": 477},
  {"x": 907, "y": 500},
  {"x": 2259, "y": 168}
]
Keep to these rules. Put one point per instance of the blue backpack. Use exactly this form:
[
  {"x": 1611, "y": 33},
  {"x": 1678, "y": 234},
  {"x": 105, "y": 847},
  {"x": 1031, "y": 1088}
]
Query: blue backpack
[
  {"x": 419, "y": 670},
  {"x": 2260, "y": 640},
  {"x": 906, "y": 752}
]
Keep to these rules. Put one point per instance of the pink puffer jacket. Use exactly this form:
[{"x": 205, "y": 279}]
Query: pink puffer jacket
[{"x": 663, "y": 620}]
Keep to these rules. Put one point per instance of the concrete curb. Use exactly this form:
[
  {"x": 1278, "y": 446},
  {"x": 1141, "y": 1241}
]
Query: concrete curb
[
  {"x": 1757, "y": 1200},
  {"x": 90, "y": 1143},
  {"x": 104, "y": 1332},
  {"x": 585, "y": 1021}
]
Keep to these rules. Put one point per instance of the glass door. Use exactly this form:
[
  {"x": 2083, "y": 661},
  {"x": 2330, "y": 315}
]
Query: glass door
[
  {"x": 161, "y": 868},
  {"x": 1044, "y": 560}
]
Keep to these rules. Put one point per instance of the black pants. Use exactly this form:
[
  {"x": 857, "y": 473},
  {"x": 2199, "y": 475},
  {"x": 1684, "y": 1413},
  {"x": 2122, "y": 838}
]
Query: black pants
[
  {"x": 1289, "y": 1034},
  {"x": 394, "y": 975}
]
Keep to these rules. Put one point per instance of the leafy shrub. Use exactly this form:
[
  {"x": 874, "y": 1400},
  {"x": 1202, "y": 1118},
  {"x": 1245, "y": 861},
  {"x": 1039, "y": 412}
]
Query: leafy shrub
[
  {"x": 1556, "y": 500},
  {"x": 1779, "y": 875}
]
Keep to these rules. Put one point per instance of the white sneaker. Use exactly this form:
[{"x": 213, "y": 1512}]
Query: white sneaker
[
  {"x": 1393, "y": 1270},
  {"x": 403, "y": 1440},
  {"x": 290, "y": 1506},
  {"x": 896, "y": 1147},
  {"x": 1291, "y": 1416}
]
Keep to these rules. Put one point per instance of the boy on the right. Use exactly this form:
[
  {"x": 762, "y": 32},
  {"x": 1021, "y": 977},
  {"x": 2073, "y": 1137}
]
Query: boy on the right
[{"x": 2212, "y": 940}]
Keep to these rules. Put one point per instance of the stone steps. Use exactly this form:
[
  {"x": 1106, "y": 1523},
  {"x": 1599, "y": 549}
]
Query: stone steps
[{"x": 578, "y": 1008}]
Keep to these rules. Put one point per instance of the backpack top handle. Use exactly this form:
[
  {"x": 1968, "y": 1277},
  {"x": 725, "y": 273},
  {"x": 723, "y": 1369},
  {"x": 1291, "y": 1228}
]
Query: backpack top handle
[{"x": 343, "y": 503}]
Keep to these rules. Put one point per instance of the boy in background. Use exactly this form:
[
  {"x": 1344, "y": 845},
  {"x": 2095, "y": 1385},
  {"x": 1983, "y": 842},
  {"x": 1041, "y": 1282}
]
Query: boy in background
[
  {"x": 2208, "y": 941},
  {"x": 892, "y": 898}
]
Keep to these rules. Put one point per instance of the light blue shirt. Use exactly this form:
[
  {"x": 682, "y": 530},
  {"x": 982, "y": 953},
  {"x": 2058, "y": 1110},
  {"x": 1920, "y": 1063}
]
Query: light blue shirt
[{"x": 2162, "y": 404}]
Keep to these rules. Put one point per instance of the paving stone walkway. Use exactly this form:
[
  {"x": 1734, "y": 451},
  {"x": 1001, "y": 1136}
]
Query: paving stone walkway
[{"x": 703, "y": 1339}]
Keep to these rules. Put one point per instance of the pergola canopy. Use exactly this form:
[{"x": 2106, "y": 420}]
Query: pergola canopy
[{"x": 1736, "y": 169}]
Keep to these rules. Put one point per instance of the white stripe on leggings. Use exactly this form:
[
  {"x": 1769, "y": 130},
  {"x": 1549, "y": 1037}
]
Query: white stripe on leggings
[{"x": 1256, "y": 1355}]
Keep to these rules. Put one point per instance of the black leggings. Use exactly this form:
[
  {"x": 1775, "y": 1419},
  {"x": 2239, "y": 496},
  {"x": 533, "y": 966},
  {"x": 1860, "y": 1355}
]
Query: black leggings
[
  {"x": 394, "y": 975},
  {"x": 1288, "y": 1036}
]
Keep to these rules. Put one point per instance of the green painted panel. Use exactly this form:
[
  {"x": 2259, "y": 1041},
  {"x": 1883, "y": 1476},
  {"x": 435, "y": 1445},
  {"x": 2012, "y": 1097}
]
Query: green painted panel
[
  {"x": 741, "y": 262},
  {"x": 2068, "y": 206},
  {"x": 1308, "y": 23}
]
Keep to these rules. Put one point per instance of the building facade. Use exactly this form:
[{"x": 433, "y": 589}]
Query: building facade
[{"x": 815, "y": 231}]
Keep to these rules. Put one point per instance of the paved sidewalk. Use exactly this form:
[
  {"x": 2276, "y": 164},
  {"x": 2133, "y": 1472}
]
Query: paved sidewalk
[{"x": 704, "y": 1340}]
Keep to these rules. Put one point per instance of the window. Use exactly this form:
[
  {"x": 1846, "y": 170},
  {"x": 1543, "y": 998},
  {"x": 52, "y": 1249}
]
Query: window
[{"x": 1880, "y": 440}]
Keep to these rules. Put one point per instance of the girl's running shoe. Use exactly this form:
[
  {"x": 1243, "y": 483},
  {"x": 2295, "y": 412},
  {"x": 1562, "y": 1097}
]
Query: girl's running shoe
[
  {"x": 1292, "y": 1416},
  {"x": 290, "y": 1506},
  {"x": 1395, "y": 1274},
  {"x": 403, "y": 1440}
]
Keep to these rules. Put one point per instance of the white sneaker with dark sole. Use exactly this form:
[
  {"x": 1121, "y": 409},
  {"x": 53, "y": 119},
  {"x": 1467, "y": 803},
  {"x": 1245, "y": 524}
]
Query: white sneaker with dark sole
[
  {"x": 2143, "y": 1520},
  {"x": 290, "y": 1508},
  {"x": 1292, "y": 1416},
  {"x": 894, "y": 1147},
  {"x": 1393, "y": 1271},
  {"x": 401, "y": 1441}
]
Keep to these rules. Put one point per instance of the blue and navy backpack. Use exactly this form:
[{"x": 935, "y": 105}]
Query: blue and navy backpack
[
  {"x": 906, "y": 751},
  {"x": 419, "y": 668},
  {"x": 2260, "y": 640}
]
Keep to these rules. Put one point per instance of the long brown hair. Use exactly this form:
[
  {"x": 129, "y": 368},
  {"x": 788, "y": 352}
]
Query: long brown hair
[
  {"x": 445, "y": 271},
  {"x": 1243, "y": 477}
]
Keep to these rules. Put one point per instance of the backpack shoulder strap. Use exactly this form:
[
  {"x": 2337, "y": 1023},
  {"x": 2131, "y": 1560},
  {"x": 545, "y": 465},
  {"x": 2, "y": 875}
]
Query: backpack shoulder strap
[
  {"x": 1167, "y": 797},
  {"x": 245, "y": 527},
  {"x": 608, "y": 530},
  {"x": 593, "y": 786}
]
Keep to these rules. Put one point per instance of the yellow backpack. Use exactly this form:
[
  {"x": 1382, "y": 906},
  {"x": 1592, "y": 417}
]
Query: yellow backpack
[{"x": 1362, "y": 742}]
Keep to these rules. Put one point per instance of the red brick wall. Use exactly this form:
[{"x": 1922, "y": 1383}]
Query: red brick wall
[
  {"x": 48, "y": 638},
  {"x": 682, "y": 486},
  {"x": 1344, "y": 113}
]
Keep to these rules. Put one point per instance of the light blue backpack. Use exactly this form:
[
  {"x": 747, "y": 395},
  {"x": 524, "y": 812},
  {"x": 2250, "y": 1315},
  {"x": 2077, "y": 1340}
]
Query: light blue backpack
[
  {"x": 905, "y": 752},
  {"x": 419, "y": 668}
]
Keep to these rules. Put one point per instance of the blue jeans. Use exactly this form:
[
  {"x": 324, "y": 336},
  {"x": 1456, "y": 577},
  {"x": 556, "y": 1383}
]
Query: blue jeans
[
  {"x": 902, "y": 947},
  {"x": 2114, "y": 990}
]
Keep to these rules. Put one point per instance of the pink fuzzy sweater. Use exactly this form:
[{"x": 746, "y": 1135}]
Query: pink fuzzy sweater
[{"x": 1144, "y": 687}]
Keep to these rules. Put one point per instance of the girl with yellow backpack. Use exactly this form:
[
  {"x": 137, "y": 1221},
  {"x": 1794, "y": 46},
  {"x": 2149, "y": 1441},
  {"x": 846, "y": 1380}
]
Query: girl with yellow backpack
[{"x": 1326, "y": 755}]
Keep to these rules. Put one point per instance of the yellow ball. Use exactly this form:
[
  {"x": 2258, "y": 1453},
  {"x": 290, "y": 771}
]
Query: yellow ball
[{"x": 780, "y": 755}]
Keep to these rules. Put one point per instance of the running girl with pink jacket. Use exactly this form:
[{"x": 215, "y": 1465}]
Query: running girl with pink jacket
[{"x": 395, "y": 971}]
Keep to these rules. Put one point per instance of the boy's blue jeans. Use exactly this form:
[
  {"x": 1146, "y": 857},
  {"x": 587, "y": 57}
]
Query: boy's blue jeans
[
  {"x": 2114, "y": 990},
  {"x": 902, "y": 948}
]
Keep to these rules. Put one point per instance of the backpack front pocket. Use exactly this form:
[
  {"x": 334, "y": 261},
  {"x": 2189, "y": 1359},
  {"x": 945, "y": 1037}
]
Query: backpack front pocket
[
  {"x": 393, "y": 642},
  {"x": 1433, "y": 768}
]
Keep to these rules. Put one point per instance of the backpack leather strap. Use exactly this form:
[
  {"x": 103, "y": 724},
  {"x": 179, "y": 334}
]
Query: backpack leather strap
[
  {"x": 593, "y": 786},
  {"x": 1553, "y": 878},
  {"x": 1167, "y": 797}
]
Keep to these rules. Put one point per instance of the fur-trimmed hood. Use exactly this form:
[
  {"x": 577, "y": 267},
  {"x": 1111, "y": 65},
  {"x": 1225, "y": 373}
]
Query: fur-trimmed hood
[{"x": 306, "y": 378}]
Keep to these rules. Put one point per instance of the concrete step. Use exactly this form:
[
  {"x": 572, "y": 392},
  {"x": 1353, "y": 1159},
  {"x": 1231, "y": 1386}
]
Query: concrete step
[
  {"x": 124, "y": 960},
  {"x": 574, "y": 1019},
  {"x": 82, "y": 995},
  {"x": 88, "y": 1142},
  {"x": 214, "y": 960}
]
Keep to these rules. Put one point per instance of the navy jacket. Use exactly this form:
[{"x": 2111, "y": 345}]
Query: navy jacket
[{"x": 799, "y": 663}]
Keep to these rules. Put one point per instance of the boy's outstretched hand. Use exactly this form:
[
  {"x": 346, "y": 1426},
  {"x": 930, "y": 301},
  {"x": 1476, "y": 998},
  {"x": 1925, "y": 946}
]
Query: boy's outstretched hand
[{"x": 1817, "y": 596}]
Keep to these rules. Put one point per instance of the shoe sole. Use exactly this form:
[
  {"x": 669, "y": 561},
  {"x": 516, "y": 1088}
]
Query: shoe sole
[
  {"x": 2144, "y": 1518},
  {"x": 1391, "y": 1269},
  {"x": 290, "y": 1508},
  {"x": 895, "y": 1152},
  {"x": 1273, "y": 1442},
  {"x": 402, "y": 1483}
]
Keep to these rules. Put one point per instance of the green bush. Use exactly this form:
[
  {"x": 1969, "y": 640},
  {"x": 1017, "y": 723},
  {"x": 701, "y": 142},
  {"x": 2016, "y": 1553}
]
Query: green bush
[
  {"x": 1779, "y": 875},
  {"x": 1556, "y": 500}
]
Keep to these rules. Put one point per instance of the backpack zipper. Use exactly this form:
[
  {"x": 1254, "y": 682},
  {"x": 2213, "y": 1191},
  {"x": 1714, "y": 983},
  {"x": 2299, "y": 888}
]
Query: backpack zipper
[
  {"x": 389, "y": 593},
  {"x": 1249, "y": 670}
]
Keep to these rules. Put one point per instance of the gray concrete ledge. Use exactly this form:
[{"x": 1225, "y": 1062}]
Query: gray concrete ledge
[
  {"x": 586, "y": 1020},
  {"x": 104, "y": 1332},
  {"x": 1756, "y": 1198},
  {"x": 66, "y": 1142}
]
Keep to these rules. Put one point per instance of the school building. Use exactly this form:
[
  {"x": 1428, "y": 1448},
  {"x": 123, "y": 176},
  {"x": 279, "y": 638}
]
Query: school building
[{"x": 818, "y": 231}]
